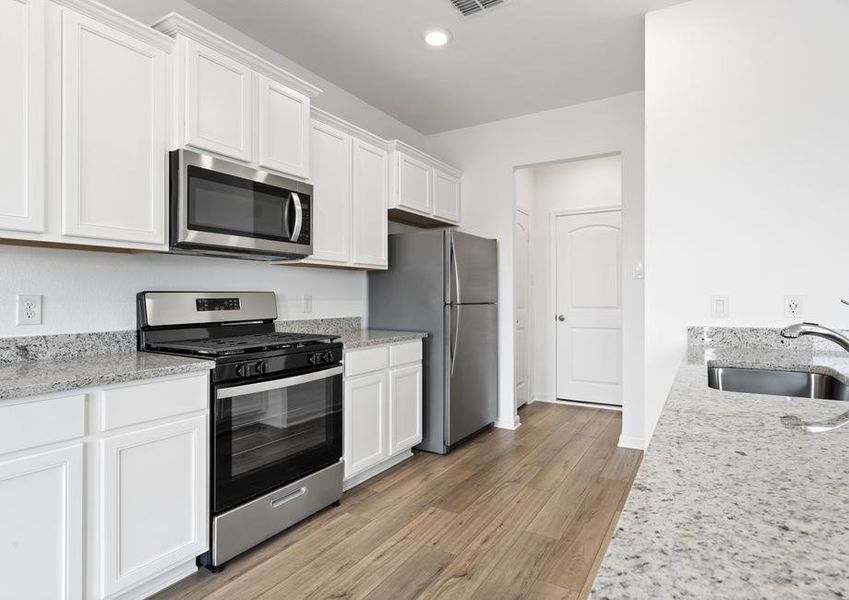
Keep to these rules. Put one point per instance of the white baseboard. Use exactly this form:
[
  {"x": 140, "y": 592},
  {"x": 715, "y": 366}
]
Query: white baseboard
[
  {"x": 376, "y": 470},
  {"x": 627, "y": 441},
  {"x": 509, "y": 424}
]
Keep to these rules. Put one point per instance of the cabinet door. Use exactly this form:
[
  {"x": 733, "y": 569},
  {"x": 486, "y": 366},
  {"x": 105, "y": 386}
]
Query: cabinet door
[
  {"x": 41, "y": 531},
  {"x": 414, "y": 184},
  {"x": 370, "y": 192},
  {"x": 114, "y": 151},
  {"x": 405, "y": 407},
  {"x": 446, "y": 196},
  {"x": 365, "y": 422},
  {"x": 331, "y": 179},
  {"x": 284, "y": 128},
  {"x": 219, "y": 103},
  {"x": 154, "y": 512},
  {"x": 22, "y": 115}
]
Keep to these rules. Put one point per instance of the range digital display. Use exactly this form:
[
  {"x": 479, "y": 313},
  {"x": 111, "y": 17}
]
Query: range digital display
[{"x": 207, "y": 304}]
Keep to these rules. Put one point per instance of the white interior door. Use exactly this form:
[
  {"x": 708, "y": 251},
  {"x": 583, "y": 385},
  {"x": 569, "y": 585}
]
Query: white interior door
[
  {"x": 521, "y": 300},
  {"x": 589, "y": 307}
]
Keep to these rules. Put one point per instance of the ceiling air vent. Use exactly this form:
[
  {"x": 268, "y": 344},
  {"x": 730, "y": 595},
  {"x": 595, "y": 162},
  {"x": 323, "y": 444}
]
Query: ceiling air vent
[{"x": 470, "y": 7}]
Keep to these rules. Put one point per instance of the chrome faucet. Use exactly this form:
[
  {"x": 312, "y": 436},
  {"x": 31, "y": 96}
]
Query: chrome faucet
[{"x": 799, "y": 329}]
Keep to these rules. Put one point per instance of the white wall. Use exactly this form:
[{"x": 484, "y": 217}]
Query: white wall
[
  {"x": 96, "y": 291},
  {"x": 571, "y": 185},
  {"x": 747, "y": 146},
  {"x": 488, "y": 155}
]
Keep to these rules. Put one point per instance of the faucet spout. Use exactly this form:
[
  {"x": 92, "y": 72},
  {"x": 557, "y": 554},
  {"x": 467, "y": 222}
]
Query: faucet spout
[{"x": 800, "y": 329}]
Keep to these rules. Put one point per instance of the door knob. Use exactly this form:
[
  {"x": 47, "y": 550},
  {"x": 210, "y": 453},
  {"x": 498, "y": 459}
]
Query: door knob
[{"x": 561, "y": 317}]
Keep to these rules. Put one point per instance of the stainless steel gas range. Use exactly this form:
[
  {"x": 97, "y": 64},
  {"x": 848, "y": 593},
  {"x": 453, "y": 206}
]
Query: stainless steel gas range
[{"x": 276, "y": 410}]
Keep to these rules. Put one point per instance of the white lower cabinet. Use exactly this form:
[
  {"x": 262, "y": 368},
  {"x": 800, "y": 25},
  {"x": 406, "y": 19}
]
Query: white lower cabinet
[
  {"x": 41, "y": 524},
  {"x": 405, "y": 409},
  {"x": 153, "y": 482},
  {"x": 365, "y": 436},
  {"x": 383, "y": 408},
  {"x": 104, "y": 499}
]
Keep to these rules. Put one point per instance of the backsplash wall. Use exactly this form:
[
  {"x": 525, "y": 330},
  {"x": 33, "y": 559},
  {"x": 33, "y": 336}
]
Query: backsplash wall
[{"x": 94, "y": 291}]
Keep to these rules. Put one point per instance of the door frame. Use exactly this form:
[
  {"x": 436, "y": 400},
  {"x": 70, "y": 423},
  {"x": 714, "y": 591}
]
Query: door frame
[
  {"x": 529, "y": 325},
  {"x": 552, "y": 236}
]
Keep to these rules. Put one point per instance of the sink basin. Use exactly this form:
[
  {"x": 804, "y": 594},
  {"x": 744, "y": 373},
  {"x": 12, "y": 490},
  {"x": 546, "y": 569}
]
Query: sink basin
[{"x": 777, "y": 383}]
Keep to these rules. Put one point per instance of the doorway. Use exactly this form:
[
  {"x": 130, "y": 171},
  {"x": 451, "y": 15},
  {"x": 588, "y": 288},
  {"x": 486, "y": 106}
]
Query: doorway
[
  {"x": 587, "y": 252},
  {"x": 521, "y": 306}
]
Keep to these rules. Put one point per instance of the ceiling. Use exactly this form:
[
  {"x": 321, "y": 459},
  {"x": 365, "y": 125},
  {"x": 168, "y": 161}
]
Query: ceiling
[{"x": 519, "y": 58}]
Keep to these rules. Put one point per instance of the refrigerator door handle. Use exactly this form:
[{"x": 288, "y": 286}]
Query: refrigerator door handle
[
  {"x": 456, "y": 338},
  {"x": 456, "y": 272}
]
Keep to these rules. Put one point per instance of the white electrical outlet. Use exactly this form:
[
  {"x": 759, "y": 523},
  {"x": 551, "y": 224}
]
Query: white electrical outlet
[
  {"x": 793, "y": 307},
  {"x": 28, "y": 310},
  {"x": 307, "y": 303},
  {"x": 719, "y": 307}
]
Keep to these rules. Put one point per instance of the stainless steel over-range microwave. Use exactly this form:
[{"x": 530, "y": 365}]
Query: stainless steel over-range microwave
[{"x": 222, "y": 208}]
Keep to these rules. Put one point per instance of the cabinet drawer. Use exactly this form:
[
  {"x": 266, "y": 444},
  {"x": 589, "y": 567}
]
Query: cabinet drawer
[
  {"x": 138, "y": 403},
  {"x": 365, "y": 361},
  {"x": 401, "y": 354},
  {"x": 30, "y": 424}
]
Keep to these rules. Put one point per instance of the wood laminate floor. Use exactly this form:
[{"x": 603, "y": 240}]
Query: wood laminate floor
[{"x": 524, "y": 514}]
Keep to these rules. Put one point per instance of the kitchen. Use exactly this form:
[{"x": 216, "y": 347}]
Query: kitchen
[{"x": 113, "y": 393}]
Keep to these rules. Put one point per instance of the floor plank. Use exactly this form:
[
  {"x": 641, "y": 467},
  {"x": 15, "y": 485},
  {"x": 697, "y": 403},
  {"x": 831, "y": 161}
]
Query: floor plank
[{"x": 509, "y": 514}]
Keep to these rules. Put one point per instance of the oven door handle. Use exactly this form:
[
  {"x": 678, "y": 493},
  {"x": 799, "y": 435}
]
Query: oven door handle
[{"x": 276, "y": 384}]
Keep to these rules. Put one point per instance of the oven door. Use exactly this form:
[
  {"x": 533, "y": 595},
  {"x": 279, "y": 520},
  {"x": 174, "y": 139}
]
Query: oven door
[
  {"x": 270, "y": 433},
  {"x": 217, "y": 205}
]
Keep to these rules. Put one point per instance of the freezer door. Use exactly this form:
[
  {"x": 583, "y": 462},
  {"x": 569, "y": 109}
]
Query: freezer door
[
  {"x": 472, "y": 268},
  {"x": 471, "y": 369}
]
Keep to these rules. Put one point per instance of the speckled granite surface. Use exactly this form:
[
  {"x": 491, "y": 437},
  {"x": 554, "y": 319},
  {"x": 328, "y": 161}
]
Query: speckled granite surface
[
  {"x": 338, "y": 326},
  {"x": 378, "y": 337},
  {"x": 34, "y": 377},
  {"x": 755, "y": 337},
  {"x": 70, "y": 345},
  {"x": 731, "y": 503},
  {"x": 350, "y": 331}
]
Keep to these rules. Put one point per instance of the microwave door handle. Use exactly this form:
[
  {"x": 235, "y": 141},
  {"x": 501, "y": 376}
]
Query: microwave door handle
[{"x": 299, "y": 217}]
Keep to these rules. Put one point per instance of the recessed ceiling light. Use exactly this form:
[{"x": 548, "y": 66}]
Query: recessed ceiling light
[{"x": 437, "y": 37}]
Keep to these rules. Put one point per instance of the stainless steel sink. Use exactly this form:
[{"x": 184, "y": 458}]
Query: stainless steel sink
[{"x": 777, "y": 383}]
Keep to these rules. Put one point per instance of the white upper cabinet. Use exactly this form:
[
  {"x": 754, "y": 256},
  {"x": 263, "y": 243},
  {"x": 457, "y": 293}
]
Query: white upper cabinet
[
  {"x": 424, "y": 191},
  {"x": 331, "y": 176},
  {"x": 284, "y": 128},
  {"x": 370, "y": 194},
  {"x": 219, "y": 103},
  {"x": 446, "y": 196},
  {"x": 22, "y": 115},
  {"x": 114, "y": 150},
  {"x": 349, "y": 173},
  {"x": 414, "y": 184},
  {"x": 235, "y": 104}
]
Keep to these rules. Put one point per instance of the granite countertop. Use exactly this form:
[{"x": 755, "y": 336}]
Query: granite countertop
[
  {"x": 731, "y": 501},
  {"x": 34, "y": 377},
  {"x": 377, "y": 337}
]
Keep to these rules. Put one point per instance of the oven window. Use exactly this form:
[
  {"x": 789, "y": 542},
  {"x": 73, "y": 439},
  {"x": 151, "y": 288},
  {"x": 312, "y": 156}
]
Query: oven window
[
  {"x": 231, "y": 205},
  {"x": 266, "y": 439}
]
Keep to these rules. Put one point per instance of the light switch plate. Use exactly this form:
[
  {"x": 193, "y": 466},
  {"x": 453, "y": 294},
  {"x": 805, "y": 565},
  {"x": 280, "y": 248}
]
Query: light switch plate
[
  {"x": 28, "y": 309},
  {"x": 307, "y": 302},
  {"x": 719, "y": 307}
]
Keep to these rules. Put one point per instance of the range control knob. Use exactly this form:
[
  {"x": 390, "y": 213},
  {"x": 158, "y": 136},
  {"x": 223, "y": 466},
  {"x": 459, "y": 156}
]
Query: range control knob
[
  {"x": 312, "y": 358},
  {"x": 241, "y": 370},
  {"x": 260, "y": 368},
  {"x": 328, "y": 356}
]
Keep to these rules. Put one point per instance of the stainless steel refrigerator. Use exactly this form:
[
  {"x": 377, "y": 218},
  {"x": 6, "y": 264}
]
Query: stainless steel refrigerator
[{"x": 446, "y": 283}]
